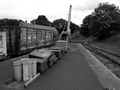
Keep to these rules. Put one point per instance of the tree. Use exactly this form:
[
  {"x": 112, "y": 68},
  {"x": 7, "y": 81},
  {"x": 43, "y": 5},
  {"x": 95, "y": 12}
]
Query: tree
[
  {"x": 74, "y": 28},
  {"x": 60, "y": 24},
  {"x": 106, "y": 15},
  {"x": 41, "y": 20},
  {"x": 85, "y": 26},
  {"x": 9, "y": 22},
  {"x": 104, "y": 20}
]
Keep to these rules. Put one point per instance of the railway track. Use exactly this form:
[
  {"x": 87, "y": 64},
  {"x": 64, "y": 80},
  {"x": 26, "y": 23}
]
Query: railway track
[{"x": 107, "y": 55}]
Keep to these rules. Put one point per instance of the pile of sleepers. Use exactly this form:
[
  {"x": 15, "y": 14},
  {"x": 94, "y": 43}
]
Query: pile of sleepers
[{"x": 46, "y": 57}]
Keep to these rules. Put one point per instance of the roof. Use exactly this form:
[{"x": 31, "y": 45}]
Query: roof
[{"x": 28, "y": 25}]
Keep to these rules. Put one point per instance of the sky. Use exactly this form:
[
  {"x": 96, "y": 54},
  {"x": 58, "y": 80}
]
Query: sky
[{"x": 52, "y": 9}]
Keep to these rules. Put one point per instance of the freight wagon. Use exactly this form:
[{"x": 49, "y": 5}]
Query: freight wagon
[{"x": 23, "y": 38}]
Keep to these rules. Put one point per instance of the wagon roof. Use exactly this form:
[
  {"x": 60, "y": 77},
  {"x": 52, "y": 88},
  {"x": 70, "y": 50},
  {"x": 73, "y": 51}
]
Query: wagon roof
[{"x": 28, "y": 25}]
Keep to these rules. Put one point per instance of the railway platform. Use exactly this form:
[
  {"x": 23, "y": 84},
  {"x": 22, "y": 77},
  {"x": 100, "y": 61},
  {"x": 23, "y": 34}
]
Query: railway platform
[{"x": 71, "y": 72}]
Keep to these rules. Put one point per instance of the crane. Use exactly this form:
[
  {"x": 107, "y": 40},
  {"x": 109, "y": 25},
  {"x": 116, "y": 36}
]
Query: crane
[{"x": 66, "y": 35}]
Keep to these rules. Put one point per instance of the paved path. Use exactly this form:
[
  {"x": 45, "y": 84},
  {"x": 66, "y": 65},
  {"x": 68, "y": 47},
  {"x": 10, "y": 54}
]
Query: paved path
[{"x": 72, "y": 72}]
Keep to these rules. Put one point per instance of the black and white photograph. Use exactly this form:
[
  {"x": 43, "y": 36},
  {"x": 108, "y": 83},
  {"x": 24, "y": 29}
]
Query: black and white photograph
[{"x": 59, "y": 44}]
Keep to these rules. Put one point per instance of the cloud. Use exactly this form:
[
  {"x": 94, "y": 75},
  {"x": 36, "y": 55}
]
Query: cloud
[
  {"x": 87, "y": 5},
  {"x": 92, "y": 4},
  {"x": 52, "y": 9},
  {"x": 78, "y": 16}
]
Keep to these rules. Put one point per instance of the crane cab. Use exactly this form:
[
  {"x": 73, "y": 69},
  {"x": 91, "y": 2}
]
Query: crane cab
[{"x": 64, "y": 41}]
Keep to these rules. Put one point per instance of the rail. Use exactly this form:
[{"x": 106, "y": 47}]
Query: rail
[{"x": 108, "y": 55}]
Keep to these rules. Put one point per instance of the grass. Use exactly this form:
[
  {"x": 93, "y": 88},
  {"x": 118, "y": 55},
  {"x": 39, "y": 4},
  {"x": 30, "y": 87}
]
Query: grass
[{"x": 111, "y": 44}]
